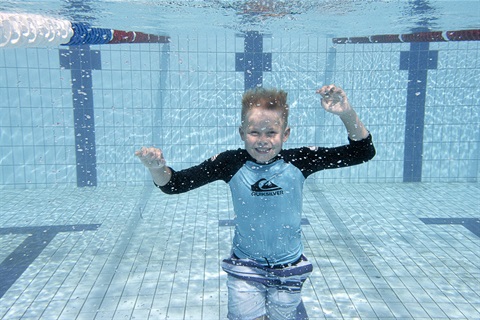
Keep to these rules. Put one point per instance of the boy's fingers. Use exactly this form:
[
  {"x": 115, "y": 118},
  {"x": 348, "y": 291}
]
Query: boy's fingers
[
  {"x": 146, "y": 151},
  {"x": 142, "y": 150},
  {"x": 156, "y": 154},
  {"x": 327, "y": 91}
]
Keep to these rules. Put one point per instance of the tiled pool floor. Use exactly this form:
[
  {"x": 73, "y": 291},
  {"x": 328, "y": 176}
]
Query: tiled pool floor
[{"x": 135, "y": 253}]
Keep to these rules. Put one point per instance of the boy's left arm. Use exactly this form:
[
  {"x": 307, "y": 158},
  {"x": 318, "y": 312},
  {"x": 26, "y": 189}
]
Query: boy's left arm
[{"x": 334, "y": 100}]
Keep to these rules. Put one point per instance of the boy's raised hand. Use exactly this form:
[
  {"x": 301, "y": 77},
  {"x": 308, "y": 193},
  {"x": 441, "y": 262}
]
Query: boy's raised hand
[
  {"x": 334, "y": 99},
  {"x": 152, "y": 158}
]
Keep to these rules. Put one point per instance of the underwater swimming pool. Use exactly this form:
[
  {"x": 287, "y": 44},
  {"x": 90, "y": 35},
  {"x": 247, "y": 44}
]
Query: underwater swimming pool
[{"x": 85, "y": 235}]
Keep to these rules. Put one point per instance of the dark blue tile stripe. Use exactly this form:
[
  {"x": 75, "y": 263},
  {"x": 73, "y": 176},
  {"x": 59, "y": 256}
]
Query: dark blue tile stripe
[
  {"x": 23, "y": 256},
  {"x": 417, "y": 61},
  {"x": 81, "y": 61},
  {"x": 472, "y": 224},
  {"x": 231, "y": 222},
  {"x": 253, "y": 61}
]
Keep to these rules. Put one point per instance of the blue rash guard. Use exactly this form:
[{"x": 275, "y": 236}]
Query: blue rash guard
[{"x": 267, "y": 198}]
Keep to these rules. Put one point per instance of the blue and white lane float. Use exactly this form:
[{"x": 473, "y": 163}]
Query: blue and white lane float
[{"x": 32, "y": 30}]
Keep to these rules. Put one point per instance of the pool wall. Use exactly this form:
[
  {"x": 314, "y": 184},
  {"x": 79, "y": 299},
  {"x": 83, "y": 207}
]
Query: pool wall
[{"x": 73, "y": 116}]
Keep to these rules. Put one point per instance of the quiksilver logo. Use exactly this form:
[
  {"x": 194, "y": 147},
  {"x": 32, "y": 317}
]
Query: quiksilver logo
[{"x": 264, "y": 187}]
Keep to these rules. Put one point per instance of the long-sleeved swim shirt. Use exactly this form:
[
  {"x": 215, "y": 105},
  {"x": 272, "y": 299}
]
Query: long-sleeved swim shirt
[{"x": 267, "y": 198}]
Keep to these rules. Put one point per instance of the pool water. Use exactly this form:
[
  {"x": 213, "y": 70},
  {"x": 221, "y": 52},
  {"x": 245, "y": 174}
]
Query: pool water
[
  {"x": 84, "y": 234},
  {"x": 131, "y": 252}
]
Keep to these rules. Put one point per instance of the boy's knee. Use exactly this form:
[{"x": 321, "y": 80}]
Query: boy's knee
[{"x": 283, "y": 304}]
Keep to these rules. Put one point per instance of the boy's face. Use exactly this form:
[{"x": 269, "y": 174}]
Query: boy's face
[{"x": 264, "y": 133}]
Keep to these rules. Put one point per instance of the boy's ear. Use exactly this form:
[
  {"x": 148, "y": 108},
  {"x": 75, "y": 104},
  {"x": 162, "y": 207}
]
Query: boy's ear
[
  {"x": 241, "y": 132},
  {"x": 286, "y": 134}
]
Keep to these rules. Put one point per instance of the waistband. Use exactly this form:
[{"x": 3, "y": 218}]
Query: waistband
[{"x": 278, "y": 266}]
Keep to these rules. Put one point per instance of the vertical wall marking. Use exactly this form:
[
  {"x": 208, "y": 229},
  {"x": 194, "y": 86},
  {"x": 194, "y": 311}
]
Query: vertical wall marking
[
  {"x": 81, "y": 61},
  {"x": 253, "y": 61},
  {"x": 417, "y": 61}
]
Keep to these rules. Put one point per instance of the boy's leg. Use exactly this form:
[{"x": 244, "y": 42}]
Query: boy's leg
[
  {"x": 283, "y": 304},
  {"x": 246, "y": 299},
  {"x": 301, "y": 312}
]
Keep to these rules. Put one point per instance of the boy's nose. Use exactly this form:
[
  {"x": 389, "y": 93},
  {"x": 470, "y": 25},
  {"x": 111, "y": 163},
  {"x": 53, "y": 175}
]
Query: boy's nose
[
  {"x": 262, "y": 137},
  {"x": 262, "y": 141}
]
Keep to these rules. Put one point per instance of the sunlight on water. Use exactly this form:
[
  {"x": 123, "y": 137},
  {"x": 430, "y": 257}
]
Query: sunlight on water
[{"x": 309, "y": 18}]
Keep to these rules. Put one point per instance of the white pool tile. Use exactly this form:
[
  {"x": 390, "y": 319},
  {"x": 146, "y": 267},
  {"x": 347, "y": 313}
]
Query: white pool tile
[{"x": 155, "y": 256}]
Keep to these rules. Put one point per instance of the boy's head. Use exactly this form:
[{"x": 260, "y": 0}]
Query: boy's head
[
  {"x": 264, "y": 126},
  {"x": 270, "y": 99}
]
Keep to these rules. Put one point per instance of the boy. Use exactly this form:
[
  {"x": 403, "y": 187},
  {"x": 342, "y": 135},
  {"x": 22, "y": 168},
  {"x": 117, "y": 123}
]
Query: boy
[{"x": 267, "y": 269}]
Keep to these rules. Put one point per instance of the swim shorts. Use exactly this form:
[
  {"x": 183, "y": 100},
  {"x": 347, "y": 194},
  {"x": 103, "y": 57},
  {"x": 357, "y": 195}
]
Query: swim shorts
[{"x": 255, "y": 290}]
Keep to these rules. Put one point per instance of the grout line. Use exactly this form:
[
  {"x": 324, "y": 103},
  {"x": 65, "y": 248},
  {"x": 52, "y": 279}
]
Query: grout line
[{"x": 347, "y": 237}]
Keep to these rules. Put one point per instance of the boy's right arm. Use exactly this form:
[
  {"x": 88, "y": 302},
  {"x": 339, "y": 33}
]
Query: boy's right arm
[{"x": 153, "y": 159}]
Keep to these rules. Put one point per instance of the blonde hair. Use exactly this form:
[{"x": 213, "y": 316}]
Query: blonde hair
[{"x": 270, "y": 99}]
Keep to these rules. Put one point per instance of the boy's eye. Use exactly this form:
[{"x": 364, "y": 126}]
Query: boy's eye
[{"x": 268, "y": 133}]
